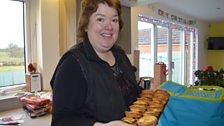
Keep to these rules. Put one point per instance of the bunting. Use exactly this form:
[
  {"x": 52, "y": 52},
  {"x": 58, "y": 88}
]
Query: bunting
[{"x": 173, "y": 17}]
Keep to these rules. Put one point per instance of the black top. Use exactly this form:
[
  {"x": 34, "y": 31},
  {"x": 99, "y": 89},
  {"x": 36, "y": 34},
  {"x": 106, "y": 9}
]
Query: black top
[
  {"x": 81, "y": 90},
  {"x": 70, "y": 96}
]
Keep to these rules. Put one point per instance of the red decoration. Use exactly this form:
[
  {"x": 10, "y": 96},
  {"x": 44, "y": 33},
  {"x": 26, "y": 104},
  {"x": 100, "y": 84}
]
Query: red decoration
[
  {"x": 209, "y": 68},
  {"x": 32, "y": 68}
]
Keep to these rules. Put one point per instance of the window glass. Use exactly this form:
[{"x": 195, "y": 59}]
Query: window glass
[
  {"x": 175, "y": 45},
  {"x": 177, "y": 55},
  {"x": 145, "y": 31},
  {"x": 12, "y": 54},
  {"x": 162, "y": 44}
]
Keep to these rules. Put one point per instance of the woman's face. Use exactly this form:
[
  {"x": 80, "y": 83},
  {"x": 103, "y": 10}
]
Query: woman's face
[{"x": 103, "y": 28}]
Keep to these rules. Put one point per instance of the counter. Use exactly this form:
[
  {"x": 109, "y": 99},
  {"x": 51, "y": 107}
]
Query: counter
[{"x": 39, "y": 121}]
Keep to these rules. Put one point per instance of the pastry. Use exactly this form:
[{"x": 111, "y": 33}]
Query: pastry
[
  {"x": 133, "y": 114},
  {"x": 147, "y": 91},
  {"x": 148, "y": 107},
  {"x": 156, "y": 106},
  {"x": 155, "y": 111},
  {"x": 148, "y": 120},
  {"x": 128, "y": 120},
  {"x": 139, "y": 108},
  {"x": 141, "y": 102}
]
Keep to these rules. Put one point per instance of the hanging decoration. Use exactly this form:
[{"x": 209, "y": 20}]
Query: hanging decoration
[
  {"x": 165, "y": 23},
  {"x": 172, "y": 17}
]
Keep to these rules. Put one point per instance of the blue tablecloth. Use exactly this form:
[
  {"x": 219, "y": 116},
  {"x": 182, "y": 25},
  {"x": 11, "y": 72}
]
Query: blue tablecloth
[{"x": 185, "y": 108}]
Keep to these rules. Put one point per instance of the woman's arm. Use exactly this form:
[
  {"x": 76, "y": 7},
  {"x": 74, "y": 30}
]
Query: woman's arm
[{"x": 69, "y": 95}]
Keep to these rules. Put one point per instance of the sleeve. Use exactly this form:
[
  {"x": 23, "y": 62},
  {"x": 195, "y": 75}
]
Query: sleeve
[{"x": 69, "y": 95}]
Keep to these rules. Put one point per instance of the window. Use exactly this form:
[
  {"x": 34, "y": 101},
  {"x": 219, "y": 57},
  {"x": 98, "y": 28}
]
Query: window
[
  {"x": 162, "y": 44},
  {"x": 12, "y": 43},
  {"x": 144, "y": 42},
  {"x": 168, "y": 42}
]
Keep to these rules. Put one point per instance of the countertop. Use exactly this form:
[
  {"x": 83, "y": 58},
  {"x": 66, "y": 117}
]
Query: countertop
[{"x": 38, "y": 121}]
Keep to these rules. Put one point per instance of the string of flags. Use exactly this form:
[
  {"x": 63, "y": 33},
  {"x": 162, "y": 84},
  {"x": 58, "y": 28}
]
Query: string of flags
[
  {"x": 175, "y": 18},
  {"x": 166, "y": 23},
  {"x": 172, "y": 17}
]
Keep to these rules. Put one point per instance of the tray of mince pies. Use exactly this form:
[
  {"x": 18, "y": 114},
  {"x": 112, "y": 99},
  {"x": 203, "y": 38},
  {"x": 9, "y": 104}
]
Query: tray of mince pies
[{"x": 145, "y": 111}]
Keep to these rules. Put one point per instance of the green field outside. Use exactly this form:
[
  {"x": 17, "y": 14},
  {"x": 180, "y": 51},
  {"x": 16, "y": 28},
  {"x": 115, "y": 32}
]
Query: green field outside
[
  {"x": 11, "y": 68},
  {"x": 11, "y": 61},
  {"x": 12, "y": 65}
]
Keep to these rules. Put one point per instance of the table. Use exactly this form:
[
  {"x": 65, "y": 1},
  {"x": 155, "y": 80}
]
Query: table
[{"x": 39, "y": 121}]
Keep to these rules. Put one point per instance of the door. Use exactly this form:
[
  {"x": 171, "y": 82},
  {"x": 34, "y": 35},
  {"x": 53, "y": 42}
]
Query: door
[
  {"x": 177, "y": 60},
  {"x": 162, "y": 46}
]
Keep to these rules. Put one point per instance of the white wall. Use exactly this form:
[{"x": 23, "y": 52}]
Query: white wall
[
  {"x": 149, "y": 10},
  {"x": 49, "y": 49},
  {"x": 202, "y": 45},
  {"x": 46, "y": 43}
]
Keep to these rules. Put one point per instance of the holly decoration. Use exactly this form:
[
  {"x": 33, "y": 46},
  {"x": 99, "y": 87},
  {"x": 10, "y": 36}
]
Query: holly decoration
[{"x": 209, "y": 76}]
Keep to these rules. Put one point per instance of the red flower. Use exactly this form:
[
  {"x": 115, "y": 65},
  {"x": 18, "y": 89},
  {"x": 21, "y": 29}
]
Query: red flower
[
  {"x": 31, "y": 68},
  {"x": 209, "y": 68}
]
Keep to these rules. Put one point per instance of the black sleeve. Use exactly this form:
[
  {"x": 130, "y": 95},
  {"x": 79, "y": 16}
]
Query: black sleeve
[{"x": 69, "y": 95}]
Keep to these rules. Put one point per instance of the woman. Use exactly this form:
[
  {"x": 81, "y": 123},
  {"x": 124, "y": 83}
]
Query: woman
[{"x": 94, "y": 82}]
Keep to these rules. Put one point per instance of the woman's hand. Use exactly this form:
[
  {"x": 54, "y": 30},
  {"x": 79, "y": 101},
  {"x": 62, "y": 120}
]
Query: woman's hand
[
  {"x": 113, "y": 123},
  {"x": 118, "y": 123}
]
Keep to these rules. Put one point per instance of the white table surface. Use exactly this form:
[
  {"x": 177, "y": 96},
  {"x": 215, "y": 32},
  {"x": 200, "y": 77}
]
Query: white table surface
[{"x": 39, "y": 121}]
